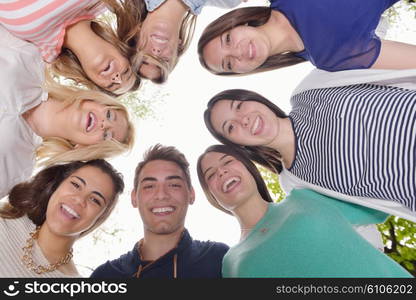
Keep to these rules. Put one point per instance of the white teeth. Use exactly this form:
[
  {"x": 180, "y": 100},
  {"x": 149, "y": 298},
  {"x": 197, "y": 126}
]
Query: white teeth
[
  {"x": 91, "y": 121},
  {"x": 162, "y": 209},
  {"x": 159, "y": 39},
  {"x": 255, "y": 125},
  {"x": 71, "y": 211},
  {"x": 230, "y": 182}
]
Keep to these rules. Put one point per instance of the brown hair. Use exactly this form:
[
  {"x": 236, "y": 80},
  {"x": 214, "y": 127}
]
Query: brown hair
[
  {"x": 241, "y": 156},
  {"x": 128, "y": 25},
  {"x": 31, "y": 198},
  {"x": 168, "y": 153},
  {"x": 252, "y": 16},
  {"x": 265, "y": 156}
]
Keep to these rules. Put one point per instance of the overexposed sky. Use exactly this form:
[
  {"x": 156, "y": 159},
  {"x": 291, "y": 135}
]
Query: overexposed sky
[{"x": 180, "y": 123}]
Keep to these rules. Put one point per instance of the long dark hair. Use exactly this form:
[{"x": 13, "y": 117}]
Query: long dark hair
[
  {"x": 32, "y": 197},
  {"x": 265, "y": 156},
  {"x": 252, "y": 16},
  {"x": 241, "y": 156}
]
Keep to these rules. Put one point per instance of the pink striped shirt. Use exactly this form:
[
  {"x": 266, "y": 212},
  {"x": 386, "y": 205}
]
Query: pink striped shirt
[{"x": 43, "y": 22}]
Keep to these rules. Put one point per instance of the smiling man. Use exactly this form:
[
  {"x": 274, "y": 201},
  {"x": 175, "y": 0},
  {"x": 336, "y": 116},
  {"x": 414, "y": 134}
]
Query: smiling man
[{"x": 162, "y": 193}]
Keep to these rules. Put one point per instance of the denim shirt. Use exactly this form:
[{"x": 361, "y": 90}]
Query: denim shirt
[{"x": 195, "y": 5}]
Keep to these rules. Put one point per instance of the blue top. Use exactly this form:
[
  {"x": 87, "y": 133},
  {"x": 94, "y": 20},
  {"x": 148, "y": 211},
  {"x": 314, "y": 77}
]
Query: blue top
[
  {"x": 337, "y": 34},
  {"x": 195, "y": 5},
  {"x": 190, "y": 259},
  {"x": 310, "y": 235},
  {"x": 357, "y": 140}
]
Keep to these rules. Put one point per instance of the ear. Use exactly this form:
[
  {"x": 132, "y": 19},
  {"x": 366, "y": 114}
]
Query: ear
[
  {"x": 133, "y": 198},
  {"x": 192, "y": 196}
]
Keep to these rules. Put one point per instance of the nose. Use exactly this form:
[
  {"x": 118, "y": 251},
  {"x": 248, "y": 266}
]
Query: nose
[
  {"x": 222, "y": 171},
  {"x": 245, "y": 120},
  {"x": 79, "y": 200},
  {"x": 161, "y": 193},
  {"x": 116, "y": 78},
  {"x": 105, "y": 124}
]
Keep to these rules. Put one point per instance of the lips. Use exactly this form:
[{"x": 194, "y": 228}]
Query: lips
[
  {"x": 230, "y": 184},
  {"x": 158, "y": 38},
  {"x": 69, "y": 212},
  {"x": 257, "y": 126},
  {"x": 163, "y": 211},
  {"x": 91, "y": 121}
]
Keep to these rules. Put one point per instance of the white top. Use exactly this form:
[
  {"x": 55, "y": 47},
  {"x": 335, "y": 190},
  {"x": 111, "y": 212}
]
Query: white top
[
  {"x": 21, "y": 76},
  {"x": 323, "y": 79},
  {"x": 13, "y": 236}
]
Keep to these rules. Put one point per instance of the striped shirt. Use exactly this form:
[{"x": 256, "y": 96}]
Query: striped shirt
[
  {"x": 43, "y": 22},
  {"x": 358, "y": 140}
]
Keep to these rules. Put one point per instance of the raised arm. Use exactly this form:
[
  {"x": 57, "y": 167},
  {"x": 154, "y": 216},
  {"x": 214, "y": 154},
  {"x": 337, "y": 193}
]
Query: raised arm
[{"x": 396, "y": 55}]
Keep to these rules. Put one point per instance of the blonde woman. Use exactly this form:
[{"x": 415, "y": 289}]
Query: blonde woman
[
  {"x": 45, "y": 216},
  {"x": 48, "y": 122},
  {"x": 78, "y": 46}
]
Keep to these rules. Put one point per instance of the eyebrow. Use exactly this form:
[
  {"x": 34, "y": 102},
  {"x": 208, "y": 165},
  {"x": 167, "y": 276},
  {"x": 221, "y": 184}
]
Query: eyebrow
[
  {"x": 225, "y": 122},
  {"x": 94, "y": 192},
  {"x": 221, "y": 158},
  {"x": 171, "y": 177}
]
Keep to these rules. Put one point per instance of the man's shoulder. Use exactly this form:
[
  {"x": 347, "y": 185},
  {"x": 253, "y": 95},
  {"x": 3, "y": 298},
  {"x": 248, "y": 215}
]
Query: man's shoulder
[
  {"x": 209, "y": 247},
  {"x": 124, "y": 266}
]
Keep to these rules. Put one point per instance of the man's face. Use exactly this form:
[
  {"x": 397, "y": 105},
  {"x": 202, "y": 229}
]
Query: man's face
[{"x": 162, "y": 196}]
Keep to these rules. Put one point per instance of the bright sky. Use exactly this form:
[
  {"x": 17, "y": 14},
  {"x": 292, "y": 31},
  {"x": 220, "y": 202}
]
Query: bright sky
[{"x": 180, "y": 123}]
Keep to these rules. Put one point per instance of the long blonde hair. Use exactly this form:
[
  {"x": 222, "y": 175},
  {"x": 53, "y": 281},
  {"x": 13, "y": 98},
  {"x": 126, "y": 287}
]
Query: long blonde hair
[
  {"x": 68, "y": 65},
  {"x": 55, "y": 150}
]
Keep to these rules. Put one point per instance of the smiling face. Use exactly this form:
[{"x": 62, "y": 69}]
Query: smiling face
[
  {"x": 108, "y": 68},
  {"x": 228, "y": 180},
  {"x": 91, "y": 123},
  {"x": 248, "y": 123},
  {"x": 162, "y": 196},
  {"x": 157, "y": 39},
  {"x": 79, "y": 201},
  {"x": 239, "y": 50}
]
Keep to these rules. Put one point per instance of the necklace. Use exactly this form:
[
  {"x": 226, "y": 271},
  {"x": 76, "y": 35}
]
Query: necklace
[{"x": 39, "y": 269}]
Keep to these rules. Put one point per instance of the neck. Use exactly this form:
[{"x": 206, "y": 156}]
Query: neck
[
  {"x": 285, "y": 146},
  {"x": 40, "y": 121},
  {"x": 249, "y": 214},
  {"x": 53, "y": 246},
  {"x": 281, "y": 34},
  {"x": 157, "y": 245}
]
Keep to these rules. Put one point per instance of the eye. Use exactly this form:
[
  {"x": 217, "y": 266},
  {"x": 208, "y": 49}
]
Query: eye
[
  {"x": 175, "y": 185},
  {"x": 148, "y": 186},
  {"x": 210, "y": 177},
  {"x": 110, "y": 115},
  {"x": 230, "y": 128},
  {"x": 239, "y": 105},
  {"x": 227, "y": 38},
  {"x": 108, "y": 135},
  {"x": 96, "y": 201},
  {"x": 229, "y": 66},
  {"x": 75, "y": 185},
  {"x": 227, "y": 162}
]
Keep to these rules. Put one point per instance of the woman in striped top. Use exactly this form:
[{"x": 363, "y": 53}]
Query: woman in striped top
[
  {"x": 45, "y": 216},
  {"x": 356, "y": 140},
  {"x": 78, "y": 46}
]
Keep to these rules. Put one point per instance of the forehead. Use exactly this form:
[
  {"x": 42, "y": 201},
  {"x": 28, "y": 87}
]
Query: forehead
[
  {"x": 160, "y": 169},
  {"x": 121, "y": 131},
  {"x": 95, "y": 179},
  {"x": 211, "y": 159},
  {"x": 211, "y": 54}
]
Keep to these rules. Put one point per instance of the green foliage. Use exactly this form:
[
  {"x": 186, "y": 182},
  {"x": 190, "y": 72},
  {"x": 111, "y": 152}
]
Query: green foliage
[{"x": 399, "y": 237}]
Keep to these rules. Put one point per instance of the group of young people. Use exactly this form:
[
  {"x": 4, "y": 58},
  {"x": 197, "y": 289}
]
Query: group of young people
[{"x": 345, "y": 154}]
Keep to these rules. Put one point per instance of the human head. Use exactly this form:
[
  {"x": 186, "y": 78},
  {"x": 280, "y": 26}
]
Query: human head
[
  {"x": 162, "y": 190},
  {"x": 245, "y": 16},
  {"x": 32, "y": 197},
  {"x": 241, "y": 156},
  {"x": 69, "y": 66},
  {"x": 55, "y": 149},
  {"x": 265, "y": 156},
  {"x": 160, "y": 46}
]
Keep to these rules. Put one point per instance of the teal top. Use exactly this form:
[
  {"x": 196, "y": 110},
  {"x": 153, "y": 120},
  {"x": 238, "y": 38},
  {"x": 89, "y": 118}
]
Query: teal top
[{"x": 310, "y": 235}]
